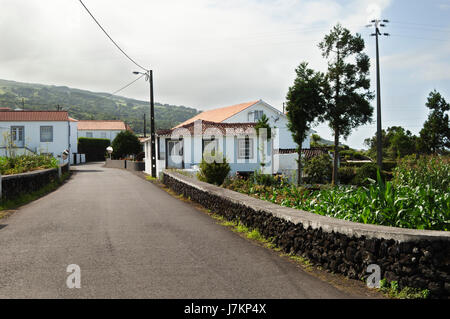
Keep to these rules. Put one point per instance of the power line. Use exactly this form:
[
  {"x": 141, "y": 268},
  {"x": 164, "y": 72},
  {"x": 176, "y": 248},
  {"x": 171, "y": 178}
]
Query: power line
[
  {"x": 414, "y": 37},
  {"x": 123, "y": 88},
  {"x": 112, "y": 38},
  {"x": 422, "y": 25}
]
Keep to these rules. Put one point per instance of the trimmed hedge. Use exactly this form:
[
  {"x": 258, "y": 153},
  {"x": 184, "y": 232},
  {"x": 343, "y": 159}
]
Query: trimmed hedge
[{"x": 94, "y": 148}]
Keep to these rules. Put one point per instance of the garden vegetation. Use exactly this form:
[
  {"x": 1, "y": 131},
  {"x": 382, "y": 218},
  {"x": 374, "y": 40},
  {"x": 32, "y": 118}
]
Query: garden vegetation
[
  {"x": 417, "y": 197},
  {"x": 26, "y": 163}
]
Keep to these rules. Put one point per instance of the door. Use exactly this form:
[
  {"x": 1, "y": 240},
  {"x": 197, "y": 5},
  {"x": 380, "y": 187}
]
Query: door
[
  {"x": 17, "y": 136},
  {"x": 175, "y": 154}
]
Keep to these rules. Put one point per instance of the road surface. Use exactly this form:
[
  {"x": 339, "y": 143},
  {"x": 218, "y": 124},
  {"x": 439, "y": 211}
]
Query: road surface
[{"x": 131, "y": 239}]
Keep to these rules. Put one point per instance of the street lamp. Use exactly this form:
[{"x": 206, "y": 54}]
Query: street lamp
[
  {"x": 149, "y": 78},
  {"x": 109, "y": 149}
]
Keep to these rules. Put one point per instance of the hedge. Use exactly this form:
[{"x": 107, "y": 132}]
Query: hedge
[{"x": 94, "y": 148}]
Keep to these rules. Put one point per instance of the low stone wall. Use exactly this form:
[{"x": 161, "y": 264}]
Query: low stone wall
[
  {"x": 18, "y": 184},
  {"x": 413, "y": 258},
  {"x": 115, "y": 163},
  {"x": 129, "y": 165},
  {"x": 135, "y": 166}
]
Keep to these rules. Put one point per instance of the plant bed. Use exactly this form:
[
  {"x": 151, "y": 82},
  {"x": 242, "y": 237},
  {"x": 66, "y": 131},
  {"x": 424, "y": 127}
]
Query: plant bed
[{"x": 418, "y": 197}]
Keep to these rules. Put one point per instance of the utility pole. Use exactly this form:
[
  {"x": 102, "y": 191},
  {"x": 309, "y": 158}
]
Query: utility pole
[
  {"x": 149, "y": 78},
  {"x": 377, "y": 23},
  {"x": 144, "y": 126},
  {"x": 152, "y": 124}
]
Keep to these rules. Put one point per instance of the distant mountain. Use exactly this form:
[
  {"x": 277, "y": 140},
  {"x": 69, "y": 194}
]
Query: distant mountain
[{"x": 86, "y": 105}]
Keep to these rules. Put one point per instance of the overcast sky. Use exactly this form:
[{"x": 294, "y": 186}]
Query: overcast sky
[{"x": 213, "y": 53}]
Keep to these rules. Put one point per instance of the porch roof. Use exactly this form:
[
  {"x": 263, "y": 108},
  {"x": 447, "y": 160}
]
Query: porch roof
[{"x": 210, "y": 128}]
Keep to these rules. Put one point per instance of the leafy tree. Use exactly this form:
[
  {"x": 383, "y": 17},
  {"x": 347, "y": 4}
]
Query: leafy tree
[
  {"x": 396, "y": 143},
  {"x": 318, "y": 169},
  {"x": 125, "y": 143},
  {"x": 347, "y": 86},
  {"x": 305, "y": 104},
  {"x": 435, "y": 135},
  {"x": 315, "y": 140}
]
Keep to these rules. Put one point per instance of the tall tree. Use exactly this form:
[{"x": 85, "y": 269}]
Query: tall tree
[
  {"x": 435, "y": 135},
  {"x": 305, "y": 104},
  {"x": 348, "y": 85}
]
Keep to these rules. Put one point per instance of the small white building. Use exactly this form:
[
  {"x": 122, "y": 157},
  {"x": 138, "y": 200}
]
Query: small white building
[
  {"x": 101, "y": 128},
  {"x": 39, "y": 132},
  {"x": 230, "y": 131}
]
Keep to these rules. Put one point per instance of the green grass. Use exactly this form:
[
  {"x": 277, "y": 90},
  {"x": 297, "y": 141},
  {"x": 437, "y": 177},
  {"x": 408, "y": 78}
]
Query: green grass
[
  {"x": 393, "y": 291},
  {"x": 26, "y": 198}
]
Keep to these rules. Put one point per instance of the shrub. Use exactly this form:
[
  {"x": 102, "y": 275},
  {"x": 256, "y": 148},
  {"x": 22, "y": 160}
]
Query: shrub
[
  {"x": 363, "y": 173},
  {"x": 264, "y": 179},
  {"x": 318, "y": 169},
  {"x": 125, "y": 143},
  {"x": 346, "y": 174},
  {"x": 26, "y": 163},
  {"x": 94, "y": 148},
  {"x": 213, "y": 172}
]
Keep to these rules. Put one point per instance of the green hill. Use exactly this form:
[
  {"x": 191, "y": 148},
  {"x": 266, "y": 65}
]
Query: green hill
[{"x": 86, "y": 105}]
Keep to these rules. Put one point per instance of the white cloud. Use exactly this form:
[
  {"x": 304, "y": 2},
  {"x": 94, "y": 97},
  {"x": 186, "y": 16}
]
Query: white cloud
[{"x": 204, "y": 52}]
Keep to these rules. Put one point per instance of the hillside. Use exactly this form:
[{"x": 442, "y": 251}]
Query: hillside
[{"x": 86, "y": 105}]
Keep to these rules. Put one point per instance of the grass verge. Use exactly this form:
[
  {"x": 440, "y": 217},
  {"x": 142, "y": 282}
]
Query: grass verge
[
  {"x": 27, "y": 198},
  {"x": 393, "y": 291}
]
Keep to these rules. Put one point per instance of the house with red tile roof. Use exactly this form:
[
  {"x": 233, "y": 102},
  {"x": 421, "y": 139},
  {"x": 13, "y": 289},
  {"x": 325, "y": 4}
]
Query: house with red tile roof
[
  {"x": 101, "y": 128},
  {"x": 230, "y": 131},
  {"x": 39, "y": 132}
]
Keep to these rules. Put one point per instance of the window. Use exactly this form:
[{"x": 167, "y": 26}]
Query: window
[
  {"x": 88, "y": 134},
  {"x": 17, "y": 133},
  {"x": 245, "y": 148},
  {"x": 210, "y": 146},
  {"x": 103, "y": 135},
  {"x": 46, "y": 133},
  {"x": 258, "y": 115}
]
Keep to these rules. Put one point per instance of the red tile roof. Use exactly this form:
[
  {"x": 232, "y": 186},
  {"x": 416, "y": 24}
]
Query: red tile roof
[
  {"x": 239, "y": 128},
  {"x": 220, "y": 114},
  {"x": 307, "y": 152},
  {"x": 26, "y": 116},
  {"x": 92, "y": 125}
]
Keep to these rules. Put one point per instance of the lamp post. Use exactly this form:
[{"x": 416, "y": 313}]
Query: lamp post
[
  {"x": 109, "y": 149},
  {"x": 149, "y": 78}
]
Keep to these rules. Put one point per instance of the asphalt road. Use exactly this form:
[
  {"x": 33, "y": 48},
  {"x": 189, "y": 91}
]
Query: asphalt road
[{"x": 131, "y": 239}]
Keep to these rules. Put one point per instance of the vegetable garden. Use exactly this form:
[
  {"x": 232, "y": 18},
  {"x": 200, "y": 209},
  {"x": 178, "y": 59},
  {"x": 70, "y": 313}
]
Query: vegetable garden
[{"x": 418, "y": 196}]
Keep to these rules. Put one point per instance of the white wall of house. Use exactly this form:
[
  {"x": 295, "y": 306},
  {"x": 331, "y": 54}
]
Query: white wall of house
[
  {"x": 109, "y": 134},
  {"x": 32, "y": 137},
  {"x": 285, "y": 161},
  {"x": 228, "y": 146},
  {"x": 282, "y": 137},
  {"x": 74, "y": 137}
]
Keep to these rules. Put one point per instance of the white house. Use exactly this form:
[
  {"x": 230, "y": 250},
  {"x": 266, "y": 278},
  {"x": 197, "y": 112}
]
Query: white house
[
  {"x": 39, "y": 132},
  {"x": 230, "y": 131},
  {"x": 101, "y": 128}
]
